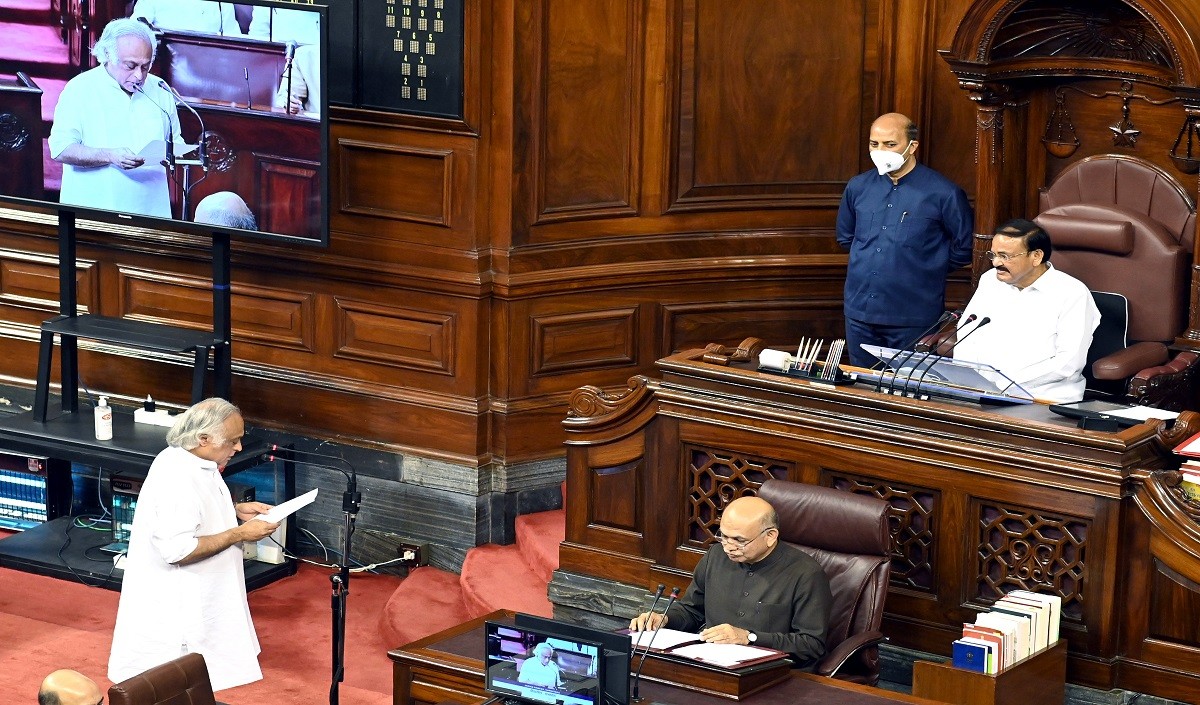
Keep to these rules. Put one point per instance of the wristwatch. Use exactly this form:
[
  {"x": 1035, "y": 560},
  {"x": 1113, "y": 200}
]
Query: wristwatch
[{"x": 751, "y": 637}]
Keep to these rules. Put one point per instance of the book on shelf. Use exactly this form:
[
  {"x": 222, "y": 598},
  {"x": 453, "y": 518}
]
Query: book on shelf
[
  {"x": 689, "y": 645},
  {"x": 972, "y": 655},
  {"x": 1017, "y": 626}
]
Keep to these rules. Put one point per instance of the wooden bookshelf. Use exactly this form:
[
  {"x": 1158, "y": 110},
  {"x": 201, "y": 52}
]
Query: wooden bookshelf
[{"x": 1041, "y": 678}]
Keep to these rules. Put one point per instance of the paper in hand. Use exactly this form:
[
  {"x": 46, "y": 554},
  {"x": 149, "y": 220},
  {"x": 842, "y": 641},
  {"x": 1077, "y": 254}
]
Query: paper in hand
[{"x": 282, "y": 511}]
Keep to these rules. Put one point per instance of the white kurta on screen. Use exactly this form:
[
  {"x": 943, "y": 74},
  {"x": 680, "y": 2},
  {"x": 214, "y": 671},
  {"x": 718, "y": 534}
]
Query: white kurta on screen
[
  {"x": 167, "y": 609},
  {"x": 95, "y": 111}
]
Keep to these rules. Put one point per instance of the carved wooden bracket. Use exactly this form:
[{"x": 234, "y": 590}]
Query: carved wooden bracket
[
  {"x": 717, "y": 354},
  {"x": 593, "y": 402}
]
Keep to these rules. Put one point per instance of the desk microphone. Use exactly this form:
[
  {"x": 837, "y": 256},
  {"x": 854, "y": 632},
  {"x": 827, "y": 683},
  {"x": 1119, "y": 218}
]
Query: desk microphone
[
  {"x": 982, "y": 322},
  {"x": 946, "y": 317},
  {"x": 246, "y": 74},
  {"x": 638, "y": 674},
  {"x": 201, "y": 147},
  {"x": 932, "y": 352}
]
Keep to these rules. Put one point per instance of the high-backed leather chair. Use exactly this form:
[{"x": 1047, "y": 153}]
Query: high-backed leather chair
[
  {"x": 1123, "y": 225},
  {"x": 183, "y": 681},
  {"x": 848, "y": 535}
]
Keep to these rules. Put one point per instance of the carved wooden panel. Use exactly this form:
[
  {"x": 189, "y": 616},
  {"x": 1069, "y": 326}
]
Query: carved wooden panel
[
  {"x": 403, "y": 183},
  {"x": 1027, "y": 549},
  {"x": 611, "y": 491},
  {"x": 742, "y": 79},
  {"x": 579, "y": 341},
  {"x": 1175, "y": 607},
  {"x": 390, "y": 336},
  {"x": 29, "y": 282},
  {"x": 273, "y": 317},
  {"x": 716, "y": 478},
  {"x": 588, "y": 108},
  {"x": 912, "y": 521}
]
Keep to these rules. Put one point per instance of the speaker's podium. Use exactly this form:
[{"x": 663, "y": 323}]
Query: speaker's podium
[
  {"x": 63, "y": 547},
  {"x": 927, "y": 375}
]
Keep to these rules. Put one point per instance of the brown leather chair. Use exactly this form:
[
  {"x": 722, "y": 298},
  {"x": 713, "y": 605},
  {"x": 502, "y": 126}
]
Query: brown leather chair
[
  {"x": 1123, "y": 225},
  {"x": 183, "y": 681},
  {"x": 848, "y": 535}
]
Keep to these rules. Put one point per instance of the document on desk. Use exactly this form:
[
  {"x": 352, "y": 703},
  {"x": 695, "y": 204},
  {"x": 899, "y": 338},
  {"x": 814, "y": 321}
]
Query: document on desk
[
  {"x": 1142, "y": 413},
  {"x": 663, "y": 639},
  {"x": 282, "y": 511},
  {"x": 725, "y": 655}
]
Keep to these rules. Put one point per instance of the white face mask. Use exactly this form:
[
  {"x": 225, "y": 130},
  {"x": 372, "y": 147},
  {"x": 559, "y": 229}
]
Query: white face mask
[{"x": 887, "y": 162}]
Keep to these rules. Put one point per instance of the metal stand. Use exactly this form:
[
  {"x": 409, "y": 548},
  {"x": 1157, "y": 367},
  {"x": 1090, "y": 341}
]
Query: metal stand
[{"x": 351, "y": 499}]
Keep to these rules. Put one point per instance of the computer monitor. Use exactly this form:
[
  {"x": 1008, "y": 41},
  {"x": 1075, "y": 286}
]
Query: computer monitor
[
  {"x": 529, "y": 665},
  {"x": 618, "y": 650}
]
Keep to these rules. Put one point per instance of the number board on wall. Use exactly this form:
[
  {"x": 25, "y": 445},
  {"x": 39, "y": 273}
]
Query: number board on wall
[{"x": 412, "y": 56}]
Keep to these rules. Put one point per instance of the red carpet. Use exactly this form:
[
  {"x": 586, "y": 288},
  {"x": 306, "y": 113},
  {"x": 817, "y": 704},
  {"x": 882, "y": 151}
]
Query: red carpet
[{"x": 46, "y": 623}]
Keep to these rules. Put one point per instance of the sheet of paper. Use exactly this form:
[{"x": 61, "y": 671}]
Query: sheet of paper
[
  {"x": 725, "y": 655},
  {"x": 665, "y": 638},
  {"x": 154, "y": 153},
  {"x": 282, "y": 511},
  {"x": 1141, "y": 413}
]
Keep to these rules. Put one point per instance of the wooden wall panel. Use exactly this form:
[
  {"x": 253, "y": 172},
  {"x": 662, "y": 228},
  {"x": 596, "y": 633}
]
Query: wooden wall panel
[
  {"x": 587, "y": 111},
  {"x": 753, "y": 74},
  {"x": 395, "y": 337},
  {"x": 29, "y": 287}
]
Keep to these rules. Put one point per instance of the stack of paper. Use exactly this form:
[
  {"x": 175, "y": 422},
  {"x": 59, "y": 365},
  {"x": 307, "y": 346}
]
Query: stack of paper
[{"x": 1019, "y": 625}]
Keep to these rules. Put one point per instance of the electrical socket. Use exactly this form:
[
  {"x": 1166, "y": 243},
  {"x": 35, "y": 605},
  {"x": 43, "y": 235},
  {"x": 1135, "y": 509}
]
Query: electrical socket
[{"x": 413, "y": 553}]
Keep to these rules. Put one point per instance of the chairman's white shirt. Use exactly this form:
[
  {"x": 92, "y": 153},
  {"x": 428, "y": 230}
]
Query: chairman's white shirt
[
  {"x": 1038, "y": 336},
  {"x": 166, "y": 610},
  {"x": 94, "y": 111},
  {"x": 189, "y": 15}
]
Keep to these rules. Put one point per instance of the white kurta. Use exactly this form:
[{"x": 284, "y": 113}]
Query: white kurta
[
  {"x": 168, "y": 609},
  {"x": 1038, "y": 336},
  {"x": 95, "y": 111}
]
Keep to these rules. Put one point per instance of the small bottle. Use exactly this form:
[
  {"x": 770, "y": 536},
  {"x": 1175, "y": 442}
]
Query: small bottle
[{"x": 103, "y": 420}]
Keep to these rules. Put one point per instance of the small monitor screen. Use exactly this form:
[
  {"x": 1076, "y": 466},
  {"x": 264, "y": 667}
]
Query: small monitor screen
[
  {"x": 192, "y": 115},
  {"x": 536, "y": 666}
]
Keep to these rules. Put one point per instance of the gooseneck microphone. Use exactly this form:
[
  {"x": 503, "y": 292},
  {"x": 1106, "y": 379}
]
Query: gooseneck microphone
[
  {"x": 294, "y": 455},
  {"x": 246, "y": 74},
  {"x": 982, "y": 322},
  {"x": 170, "y": 132},
  {"x": 637, "y": 675},
  {"x": 928, "y": 354},
  {"x": 288, "y": 54},
  {"x": 946, "y": 318},
  {"x": 201, "y": 147}
]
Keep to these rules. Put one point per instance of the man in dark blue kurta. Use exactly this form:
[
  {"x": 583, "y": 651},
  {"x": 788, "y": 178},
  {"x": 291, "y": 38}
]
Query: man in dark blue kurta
[{"x": 906, "y": 227}]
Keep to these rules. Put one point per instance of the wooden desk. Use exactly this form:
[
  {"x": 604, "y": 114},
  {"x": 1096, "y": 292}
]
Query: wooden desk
[
  {"x": 448, "y": 666},
  {"x": 984, "y": 500}
]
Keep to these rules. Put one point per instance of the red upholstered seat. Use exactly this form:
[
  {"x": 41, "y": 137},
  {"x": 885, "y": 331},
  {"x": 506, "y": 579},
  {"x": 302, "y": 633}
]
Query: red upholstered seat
[{"x": 1123, "y": 225}]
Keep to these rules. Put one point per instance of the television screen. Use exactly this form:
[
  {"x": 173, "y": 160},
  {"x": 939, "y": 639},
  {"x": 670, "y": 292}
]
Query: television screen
[
  {"x": 193, "y": 115},
  {"x": 541, "y": 667},
  {"x": 617, "y": 646}
]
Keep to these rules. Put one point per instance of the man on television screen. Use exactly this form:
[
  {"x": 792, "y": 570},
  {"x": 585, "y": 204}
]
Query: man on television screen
[{"x": 113, "y": 125}]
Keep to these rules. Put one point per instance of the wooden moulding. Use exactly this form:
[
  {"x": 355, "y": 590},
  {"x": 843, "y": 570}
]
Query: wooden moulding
[
  {"x": 712, "y": 680},
  {"x": 1041, "y": 678}
]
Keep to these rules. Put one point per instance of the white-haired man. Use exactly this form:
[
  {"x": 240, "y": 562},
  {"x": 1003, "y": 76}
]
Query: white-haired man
[
  {"x": 106, "y": 116},
  {"x": 541, "y": 669},
  {"x": 184, "y": 588}
]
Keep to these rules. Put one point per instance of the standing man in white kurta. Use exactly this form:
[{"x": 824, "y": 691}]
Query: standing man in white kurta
[
  {"x": 106, "y": 116},
  {"x": 184, "y": 588}
]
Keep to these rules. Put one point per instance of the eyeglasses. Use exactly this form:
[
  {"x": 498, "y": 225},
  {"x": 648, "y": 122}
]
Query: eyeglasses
[
  {"x": 737, "y": 543},
  {"x": 1002, "y": 257}
]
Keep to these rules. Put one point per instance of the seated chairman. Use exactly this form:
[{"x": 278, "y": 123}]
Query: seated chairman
[
  {"x": 751, "y": 589},
  {"x": 541, "y": 668},
  {"x": 1042, "y": 319}
]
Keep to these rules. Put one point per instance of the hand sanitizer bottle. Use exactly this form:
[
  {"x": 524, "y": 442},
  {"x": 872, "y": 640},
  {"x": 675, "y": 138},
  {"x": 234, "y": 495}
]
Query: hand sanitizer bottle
[{"x": 103, "y": 420}]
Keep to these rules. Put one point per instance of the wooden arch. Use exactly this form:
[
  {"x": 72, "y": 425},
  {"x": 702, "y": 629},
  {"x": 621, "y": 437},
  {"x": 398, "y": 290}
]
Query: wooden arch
[{"x": 1013, "y": 57}]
